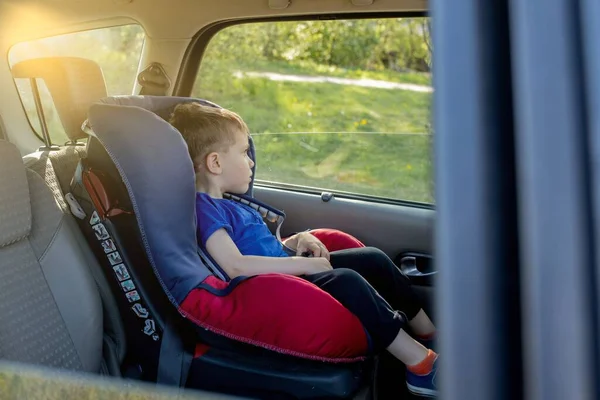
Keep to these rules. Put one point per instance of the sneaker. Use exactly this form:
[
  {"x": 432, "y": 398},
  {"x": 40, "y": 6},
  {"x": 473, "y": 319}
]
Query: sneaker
[{"x": 423, "y": 385}]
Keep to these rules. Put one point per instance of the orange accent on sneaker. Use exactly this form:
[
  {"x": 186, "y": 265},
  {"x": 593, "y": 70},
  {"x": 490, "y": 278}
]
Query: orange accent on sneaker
[{"x": 425, "y": 366}]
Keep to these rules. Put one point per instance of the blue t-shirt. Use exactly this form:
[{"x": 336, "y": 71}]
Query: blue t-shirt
[{"x": 244, "y": 224}]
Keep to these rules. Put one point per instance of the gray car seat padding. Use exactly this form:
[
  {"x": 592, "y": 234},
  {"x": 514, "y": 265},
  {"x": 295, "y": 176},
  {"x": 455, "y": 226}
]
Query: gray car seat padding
[
  {"x": 152, "y": 159},
  {"x": 15, "y": 208},
  {"x": 57, "y": 168},
  {"x": 50, "y": 310}
]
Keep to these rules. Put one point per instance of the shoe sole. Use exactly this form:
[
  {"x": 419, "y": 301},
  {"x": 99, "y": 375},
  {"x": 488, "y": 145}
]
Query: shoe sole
[{"x": 419, "y": 391}]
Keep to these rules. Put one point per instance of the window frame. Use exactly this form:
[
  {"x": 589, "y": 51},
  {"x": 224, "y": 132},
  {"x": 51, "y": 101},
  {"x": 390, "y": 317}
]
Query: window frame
[
  {"x": 192, "y": 60},
  {"x": 14, "y": 82}
]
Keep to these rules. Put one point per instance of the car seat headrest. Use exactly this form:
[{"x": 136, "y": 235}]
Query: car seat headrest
[
  {"x": 74, "y": 83},
  {"x": 152, "y": 159},
  {"x": 15, "y": 204},
  {"x": 163, "y": 106}
]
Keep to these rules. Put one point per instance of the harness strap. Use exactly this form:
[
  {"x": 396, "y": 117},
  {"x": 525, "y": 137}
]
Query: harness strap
[{"x": 268, "y": 212}]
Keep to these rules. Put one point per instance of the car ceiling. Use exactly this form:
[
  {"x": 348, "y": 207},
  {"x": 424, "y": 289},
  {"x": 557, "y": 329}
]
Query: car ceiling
[{"x": 170, "y": 19}]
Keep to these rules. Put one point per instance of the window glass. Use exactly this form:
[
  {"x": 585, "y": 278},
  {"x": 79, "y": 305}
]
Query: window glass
[
  {"x": 340, "y": 105},
  {"x": 117, "y": 50}
]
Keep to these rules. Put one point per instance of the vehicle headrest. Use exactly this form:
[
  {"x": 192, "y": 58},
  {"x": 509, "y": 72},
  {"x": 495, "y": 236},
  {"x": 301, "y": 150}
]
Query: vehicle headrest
[
  {"x": 74, "y": 83},
  {"x": 152, "y": 159},
  {"x": 15, "y": 204}
]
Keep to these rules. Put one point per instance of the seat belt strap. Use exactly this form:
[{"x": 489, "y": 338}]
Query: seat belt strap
[
  {"x": 154, "y": 81},
  {"x": 175, "y": 360}
]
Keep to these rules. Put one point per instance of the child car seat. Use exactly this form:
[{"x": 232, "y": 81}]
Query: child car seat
[{"x": 136, "y": 192}]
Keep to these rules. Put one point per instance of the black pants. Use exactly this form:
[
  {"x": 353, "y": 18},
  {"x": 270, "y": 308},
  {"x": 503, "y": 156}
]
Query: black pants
[{"x": 373, "y": 288}]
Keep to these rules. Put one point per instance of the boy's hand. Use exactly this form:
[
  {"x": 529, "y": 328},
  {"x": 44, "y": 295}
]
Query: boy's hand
[
  {"x": 309, "y": 243},
  {"x": 316, "y": 265}
]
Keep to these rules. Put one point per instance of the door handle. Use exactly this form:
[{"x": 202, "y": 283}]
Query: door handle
[{"x": 418, "y": 268}]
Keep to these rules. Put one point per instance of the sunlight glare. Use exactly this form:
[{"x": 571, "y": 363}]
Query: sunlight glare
[{"x": 26, "y": 21}]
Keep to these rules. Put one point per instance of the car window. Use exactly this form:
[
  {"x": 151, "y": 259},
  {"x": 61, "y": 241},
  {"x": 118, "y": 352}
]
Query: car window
[
  {"x": 116, "y": 49},
  {"x": 341, "y": 105}
]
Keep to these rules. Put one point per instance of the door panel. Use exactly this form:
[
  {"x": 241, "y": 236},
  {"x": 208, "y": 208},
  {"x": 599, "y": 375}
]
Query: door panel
[
  {"x": 394, "y": 229},
  {"x": 397, "y": 230}
]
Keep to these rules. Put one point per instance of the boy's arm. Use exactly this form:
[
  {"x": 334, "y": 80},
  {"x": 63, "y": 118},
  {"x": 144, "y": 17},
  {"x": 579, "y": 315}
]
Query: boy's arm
[{"x": 224, "y": 251}]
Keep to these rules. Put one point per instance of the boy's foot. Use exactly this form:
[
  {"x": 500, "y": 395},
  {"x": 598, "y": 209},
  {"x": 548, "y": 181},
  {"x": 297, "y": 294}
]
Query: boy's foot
[{"x": 423, "y": 385}]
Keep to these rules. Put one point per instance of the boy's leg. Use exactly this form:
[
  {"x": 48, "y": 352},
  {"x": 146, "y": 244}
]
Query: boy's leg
[
  {"x": 383, "y": 324},
  {"x": 349, "y": 288},
  {"x": 387, "y": 279}
]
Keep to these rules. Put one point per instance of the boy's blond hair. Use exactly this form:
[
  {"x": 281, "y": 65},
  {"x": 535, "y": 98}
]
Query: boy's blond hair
[{"x": 206, "y": 129}]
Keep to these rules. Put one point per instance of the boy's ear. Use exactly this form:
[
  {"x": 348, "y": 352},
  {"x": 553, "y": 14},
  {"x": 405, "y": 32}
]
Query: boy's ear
[{"x": 213, "y": 163}]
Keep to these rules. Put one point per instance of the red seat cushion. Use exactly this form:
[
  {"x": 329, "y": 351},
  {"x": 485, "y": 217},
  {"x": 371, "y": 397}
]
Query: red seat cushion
[
  {"x": 335, "y": 240},
  {"x": 280, "y": 312}
]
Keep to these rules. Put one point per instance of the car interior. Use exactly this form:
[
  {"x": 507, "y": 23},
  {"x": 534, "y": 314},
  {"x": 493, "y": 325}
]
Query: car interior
[
  {"x": 62, "y": 306},
  {"x": 494, "y": 222}
]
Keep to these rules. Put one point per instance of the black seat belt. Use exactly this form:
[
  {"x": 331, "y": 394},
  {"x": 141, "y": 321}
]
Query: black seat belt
[
  {"x": 154, "y": 81},
  {"x": 175, "y": 359}
]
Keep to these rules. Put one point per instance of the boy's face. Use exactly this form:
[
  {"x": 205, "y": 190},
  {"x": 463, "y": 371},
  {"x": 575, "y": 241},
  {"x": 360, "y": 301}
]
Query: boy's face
[{"x": 236, "y": 166}]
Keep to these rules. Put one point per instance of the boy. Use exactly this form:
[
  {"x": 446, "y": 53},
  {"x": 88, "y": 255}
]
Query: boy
[{"x": 364, "y": 280}]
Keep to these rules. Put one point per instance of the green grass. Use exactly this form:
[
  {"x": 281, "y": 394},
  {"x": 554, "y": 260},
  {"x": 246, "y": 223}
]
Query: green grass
[
  {"x": 339, "y": 137},
  {"x": 387, "y": 165}
]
